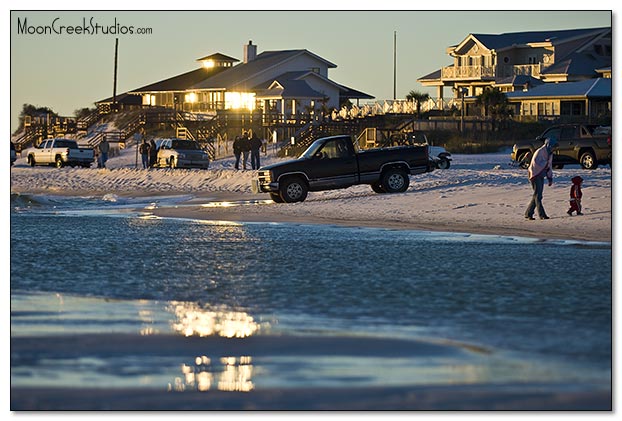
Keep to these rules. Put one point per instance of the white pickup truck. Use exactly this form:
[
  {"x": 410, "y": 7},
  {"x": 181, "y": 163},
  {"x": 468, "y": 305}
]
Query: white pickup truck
[{"x": 60, "y": 152}]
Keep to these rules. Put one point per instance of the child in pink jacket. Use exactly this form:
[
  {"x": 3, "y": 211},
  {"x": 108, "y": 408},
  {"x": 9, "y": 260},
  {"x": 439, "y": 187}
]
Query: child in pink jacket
[{"x": 575, "y": 196}]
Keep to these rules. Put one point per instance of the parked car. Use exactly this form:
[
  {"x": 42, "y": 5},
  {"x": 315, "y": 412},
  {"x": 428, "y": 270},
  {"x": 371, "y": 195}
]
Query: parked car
[
  {"x": 181, "y": 153},
  {"x": 336, "y": 163},
  {"x": 438, "y": 154},
  {"x": 586, "y": 144},
  {"x": 60, "y": 152},
  {"x": 13, "y": 153}
]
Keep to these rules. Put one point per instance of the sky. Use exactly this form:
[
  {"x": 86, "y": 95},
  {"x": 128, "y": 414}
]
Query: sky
[{"x": 67, "y": 72}]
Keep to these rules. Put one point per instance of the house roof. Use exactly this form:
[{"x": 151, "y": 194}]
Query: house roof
[
  {"x": 590, "y": 88},
  {"x": 238, "y": 77},
  {"x": 289, "y": 88},
  {"x": 124, "y": 98},
  {"x": 183, "y": 81},
  {"x": 349, "y": 93},
  {"x": 218, "y": 57},
  {"x": 519, "y": 80},
  {"x": 578, "y": 64},
  {"x": 435, "y": 75},
  {"x": 499, "y": 41}
]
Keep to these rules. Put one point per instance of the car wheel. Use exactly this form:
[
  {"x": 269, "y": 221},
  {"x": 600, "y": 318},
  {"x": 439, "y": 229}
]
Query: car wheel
[
  {"x": 293, "y": 189},
  {"x": 377, "y": 187},
  {"x": 443, "y": 164},
  {"x": 59, "y": 162},
  {"x": 171, "y": 162},
  {"x": 31, "y": 160},
  {"x": 276, "y": 198},
  {"x": 524, "y": 160},
  {"x": 588, "y": 161},
  {"x": 395, "y": 181}
]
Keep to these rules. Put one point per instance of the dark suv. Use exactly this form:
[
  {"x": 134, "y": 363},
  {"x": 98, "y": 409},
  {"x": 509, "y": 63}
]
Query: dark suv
[{"x": 586, "y": 144}]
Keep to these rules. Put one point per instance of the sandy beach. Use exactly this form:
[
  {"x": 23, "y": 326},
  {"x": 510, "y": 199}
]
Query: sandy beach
[{"x": 479, "y": 194}]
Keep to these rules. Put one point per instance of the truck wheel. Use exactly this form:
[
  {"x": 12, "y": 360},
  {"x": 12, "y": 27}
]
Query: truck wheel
[
  {"x": 31, "y": 160},
  {"x": 59, "y": 162},
  {"x": 588, "y": 161},
  {"x": 443, "y": 164},
  {"x": 524, "y": 160},
  {"x": 276, "y": 198},
  {"x": 395, "y": 181},
  {"x": 293, "y": 189},
  {"x": 377, "y": 187}
]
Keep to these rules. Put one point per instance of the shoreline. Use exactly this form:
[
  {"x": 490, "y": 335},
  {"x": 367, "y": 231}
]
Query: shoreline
[{"x": 357, "y": 211}]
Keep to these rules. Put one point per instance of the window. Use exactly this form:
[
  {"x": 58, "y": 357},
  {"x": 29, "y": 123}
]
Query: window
[
  {"x": 315, "y": 69},
  {"x": 337, "y": 148}
]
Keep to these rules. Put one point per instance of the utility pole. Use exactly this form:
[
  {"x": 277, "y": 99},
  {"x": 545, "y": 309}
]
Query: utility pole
[
  {"x": 394, "y": 64},
  {"x": 114, "y": 87}
]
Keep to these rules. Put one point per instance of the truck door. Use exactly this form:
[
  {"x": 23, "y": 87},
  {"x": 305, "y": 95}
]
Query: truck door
[
  {"x": 46, "y": 151},
  {"x": 334, "y": 165}
]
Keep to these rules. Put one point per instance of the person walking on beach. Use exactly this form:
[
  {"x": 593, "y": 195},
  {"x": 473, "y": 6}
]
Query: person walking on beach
[
  {"x": 153, "y": 153},
  {"x": 575, "y": 196},
  {"x": 237, "y": 151},
  {"x": 255, "y": 144},
  {"x": 541, "y": 167},
  {"x": 144, "y": 153},
  {"x": 103, "y": 147}
]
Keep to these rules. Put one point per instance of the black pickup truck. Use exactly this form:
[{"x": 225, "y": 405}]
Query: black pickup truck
[
  {"x": 586, "y": 144},
  {"x": 335, "y": 163}
]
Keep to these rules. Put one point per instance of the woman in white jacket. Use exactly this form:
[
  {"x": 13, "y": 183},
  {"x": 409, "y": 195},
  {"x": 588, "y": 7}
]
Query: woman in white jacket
[{"x": 541, "y": 166}]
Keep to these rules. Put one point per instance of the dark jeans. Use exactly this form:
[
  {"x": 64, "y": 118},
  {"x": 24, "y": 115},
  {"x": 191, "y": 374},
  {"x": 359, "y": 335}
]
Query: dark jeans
[
  {"x": 237, "y": 160},
  {"x": 145, "y": 158},
  {"x": 255, "y": 159},
  {"x": 244, "y": 158},
  {"x": 536, "y": 199}
]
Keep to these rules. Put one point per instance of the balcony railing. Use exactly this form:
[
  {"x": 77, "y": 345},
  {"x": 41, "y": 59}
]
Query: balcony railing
[
  {"x": 467, "y": 72},
  {"x": 487, "y": 72}
]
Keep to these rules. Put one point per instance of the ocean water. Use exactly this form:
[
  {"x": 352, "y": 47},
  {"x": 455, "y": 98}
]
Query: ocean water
[{"x": 510, "y": 309}]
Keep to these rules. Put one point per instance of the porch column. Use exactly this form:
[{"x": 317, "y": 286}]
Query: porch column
[{"x": 439, "y": 95}]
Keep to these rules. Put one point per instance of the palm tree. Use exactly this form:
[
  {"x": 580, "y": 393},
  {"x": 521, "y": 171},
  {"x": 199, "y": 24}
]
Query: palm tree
[
  {"x": 418, "y": 98},
  {"x": 495, "y": 104}
]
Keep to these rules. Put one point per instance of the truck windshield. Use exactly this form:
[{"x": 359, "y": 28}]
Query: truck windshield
[{"x": 311, "y": 150}]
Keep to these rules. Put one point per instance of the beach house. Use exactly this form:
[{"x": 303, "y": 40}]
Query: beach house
[{"x": 525, "y": 61}]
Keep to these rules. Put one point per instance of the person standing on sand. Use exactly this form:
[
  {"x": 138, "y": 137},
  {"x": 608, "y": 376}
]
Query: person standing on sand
[
  {"x": 103, "y": 147},
  {"x": 541, "y": 166},
  {"x": 255, "y": 144},
  {"x": 237, "y": 151},
  {"x": 575, "y": 196},
  {"x": 246, "y": 148},
  {"x": 153, "y": 153},
  {"x": 144, "y": 153}
]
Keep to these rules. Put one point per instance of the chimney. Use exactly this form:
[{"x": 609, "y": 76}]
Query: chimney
[{"x": 250, "y": 52}]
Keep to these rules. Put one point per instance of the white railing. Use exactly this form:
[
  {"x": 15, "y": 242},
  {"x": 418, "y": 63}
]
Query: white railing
[{"x": 398, "y": 106}]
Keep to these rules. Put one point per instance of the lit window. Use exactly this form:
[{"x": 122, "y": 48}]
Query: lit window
[{"x": 240, "y": 100}]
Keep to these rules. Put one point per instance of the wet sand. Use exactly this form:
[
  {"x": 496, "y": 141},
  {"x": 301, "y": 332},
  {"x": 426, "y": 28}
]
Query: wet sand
[
  {"x": 427, "y": 217},
  {"x": 440, "y": 396}
]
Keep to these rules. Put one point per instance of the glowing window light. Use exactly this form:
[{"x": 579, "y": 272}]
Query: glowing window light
[
  {"x": 191, "y": 97},
  {"x": 240, "y": 100},
  {"x": 208, "y": 64}
]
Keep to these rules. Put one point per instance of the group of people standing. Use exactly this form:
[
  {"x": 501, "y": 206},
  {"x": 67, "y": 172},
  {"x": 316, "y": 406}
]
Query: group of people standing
[
  {"x": 148, "y": 153},
  {"x": 244, "y": 144}
]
